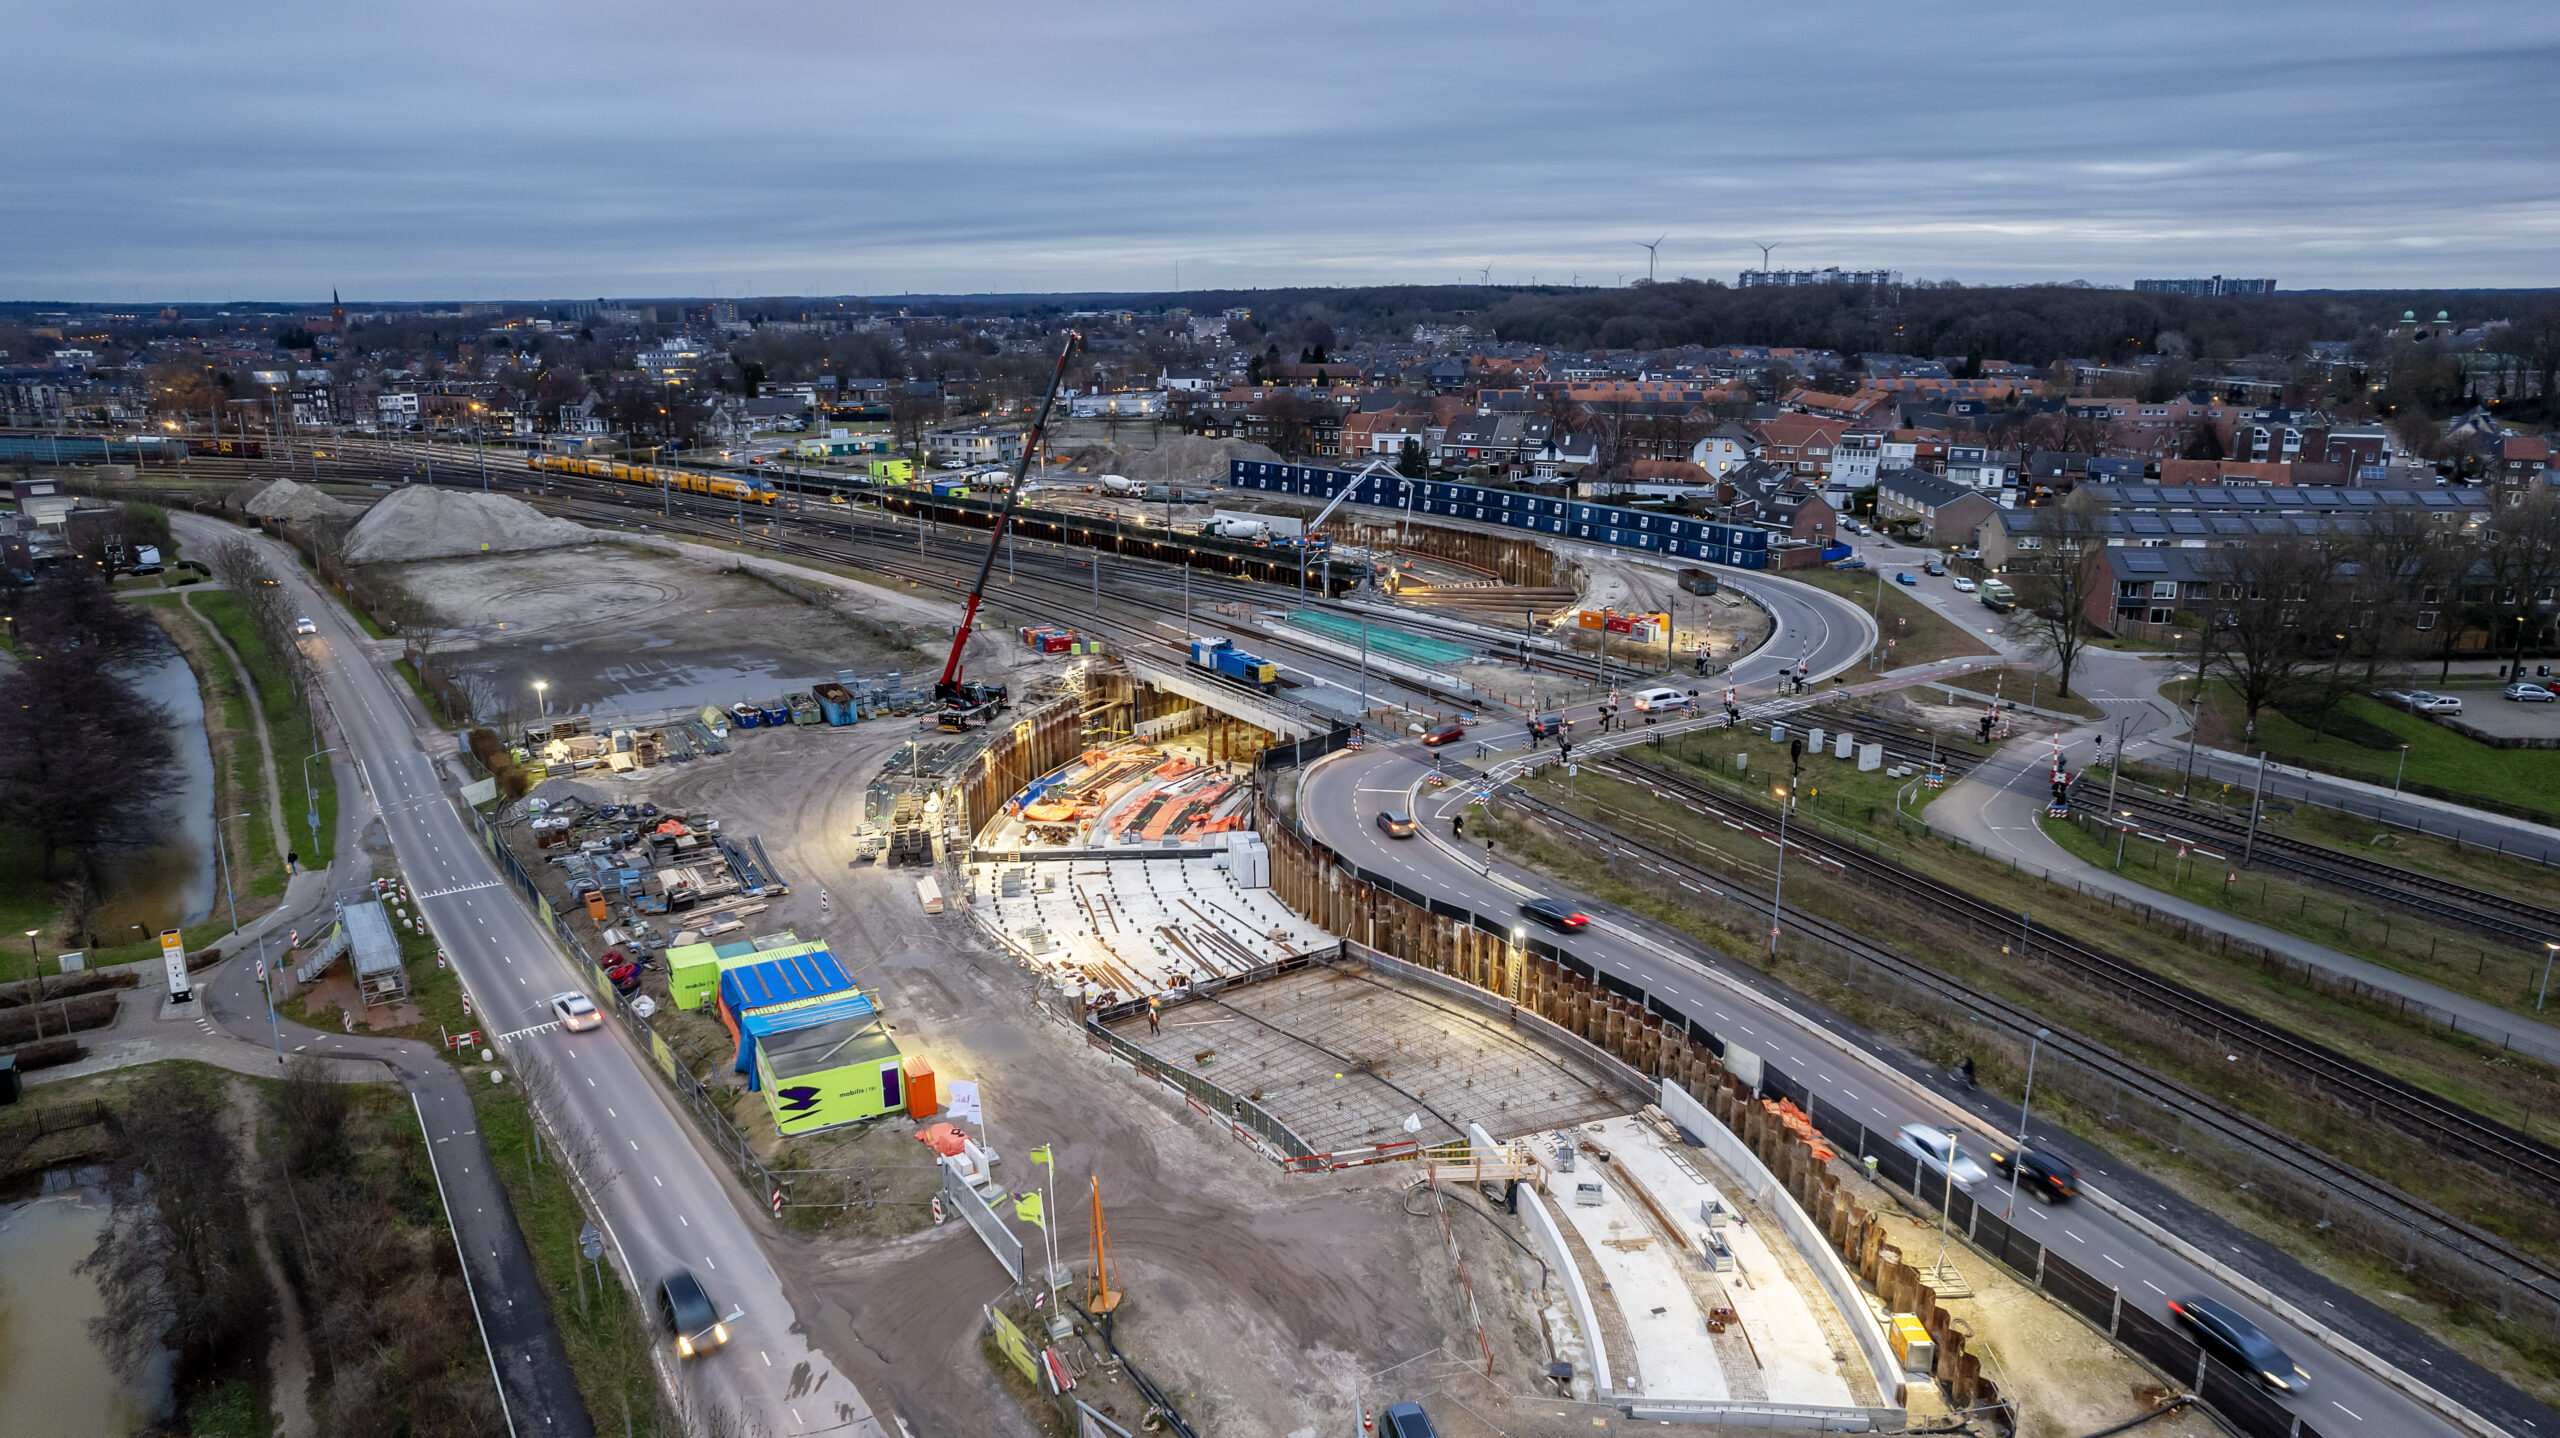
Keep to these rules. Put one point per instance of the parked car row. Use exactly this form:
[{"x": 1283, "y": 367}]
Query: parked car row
[{"x": 2419, "y": 701}]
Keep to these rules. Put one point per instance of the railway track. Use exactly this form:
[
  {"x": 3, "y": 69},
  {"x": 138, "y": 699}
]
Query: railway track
[
  {"x": 2427, "y": 896},
  {"x": 2368, "y": 1090},
  {"x": 2519, "y": 1158}
]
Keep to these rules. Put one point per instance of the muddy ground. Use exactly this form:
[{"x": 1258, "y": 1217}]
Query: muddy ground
[
  {"x": 1261, "y": 1300},
  {"x": 614, "y": 629}
]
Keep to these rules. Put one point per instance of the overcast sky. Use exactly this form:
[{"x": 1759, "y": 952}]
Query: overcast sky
[{"x": 466, "y": 151}]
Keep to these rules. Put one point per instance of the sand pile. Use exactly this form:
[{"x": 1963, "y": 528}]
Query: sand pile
[
  {"x": 1181, "y": 459},
  {"x": 295, "y": 503},
  {"x": 430, "y": 522}
]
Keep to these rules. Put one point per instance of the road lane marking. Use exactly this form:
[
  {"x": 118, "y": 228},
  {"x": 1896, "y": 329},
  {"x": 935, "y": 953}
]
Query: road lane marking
[
  {"x": 2111, "y": 1258},
  {"x": 2156, "y": 1288},
  {"x": 2075, "y": 1238},
  {"x": 2341, "y": 1407}
]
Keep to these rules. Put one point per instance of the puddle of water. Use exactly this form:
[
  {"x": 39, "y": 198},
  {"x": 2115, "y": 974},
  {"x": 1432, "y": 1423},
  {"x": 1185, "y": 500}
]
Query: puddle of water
[
  {"x": 54, "y": 1383},
  {"x": 173, "y": 884}
]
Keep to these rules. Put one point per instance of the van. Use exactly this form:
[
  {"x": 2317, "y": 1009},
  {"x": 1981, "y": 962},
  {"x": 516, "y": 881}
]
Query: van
[
  {"x": 1998, "y": 597},
  {"x": 1661, "y": 701}
]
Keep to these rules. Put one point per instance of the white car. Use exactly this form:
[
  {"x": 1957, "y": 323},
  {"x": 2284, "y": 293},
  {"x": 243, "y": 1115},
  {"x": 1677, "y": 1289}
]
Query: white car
[
  {"x": 2426, "y": 703},
  {"x": 1661, "y": 701},
  {"x": 305, "y": 626},
  {"x": 575, "y": 1012},
  {"x": 1963, "y": 585},
  {"x": 1939, "y": 1154}
]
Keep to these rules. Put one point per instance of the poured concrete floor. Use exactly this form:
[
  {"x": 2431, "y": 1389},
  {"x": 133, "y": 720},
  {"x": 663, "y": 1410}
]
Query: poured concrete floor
[{"x": 1344, "y": 1057}]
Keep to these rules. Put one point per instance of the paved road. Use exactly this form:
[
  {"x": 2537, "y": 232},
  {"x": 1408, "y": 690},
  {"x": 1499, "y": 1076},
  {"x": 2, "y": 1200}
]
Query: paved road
[
  {"x": 1995, "y": 808},
  {"x": 1340, "y": 798},
  {"x": 666, "y": 1200}
]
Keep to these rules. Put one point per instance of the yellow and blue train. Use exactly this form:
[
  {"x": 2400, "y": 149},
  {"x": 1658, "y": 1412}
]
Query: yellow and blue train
[{"x": 718, "y": 486}]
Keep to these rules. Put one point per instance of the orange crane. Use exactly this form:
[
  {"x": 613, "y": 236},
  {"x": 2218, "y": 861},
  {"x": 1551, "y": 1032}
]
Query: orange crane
[{"x": 1105, "y": 1297}]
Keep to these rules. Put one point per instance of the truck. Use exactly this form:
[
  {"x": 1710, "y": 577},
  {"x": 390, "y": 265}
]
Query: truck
[
  {"x": 1998, "y": 597},
  {"x": 836, "y": 702},
  {"x": 1229, "y": 528},
  {"x": 1221, "y": 656}
]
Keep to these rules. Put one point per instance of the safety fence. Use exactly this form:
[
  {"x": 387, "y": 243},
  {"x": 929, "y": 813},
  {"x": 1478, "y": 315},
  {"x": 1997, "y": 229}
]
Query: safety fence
[
  {"x": 1309, "y": 749},
  {"x": 1545, "y": 980},
  {"x": 2234, "y": 1396},
  {"x": 1247, "y": 1122},
  {"x": 958, "y": 1197}
]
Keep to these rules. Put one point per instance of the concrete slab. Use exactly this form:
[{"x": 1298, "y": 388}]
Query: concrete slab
[
  {"x": 1787, "y": 1345},
  {"x": 1345, "y": 1057}
]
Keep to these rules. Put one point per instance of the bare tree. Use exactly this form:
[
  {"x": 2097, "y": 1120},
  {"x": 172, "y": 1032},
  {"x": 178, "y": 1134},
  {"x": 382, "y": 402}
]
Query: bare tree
[
  {"x": 2523, "y": 557},
  {"x": 2272, "y": 612},
  {"x": 2052, "y": 614}
]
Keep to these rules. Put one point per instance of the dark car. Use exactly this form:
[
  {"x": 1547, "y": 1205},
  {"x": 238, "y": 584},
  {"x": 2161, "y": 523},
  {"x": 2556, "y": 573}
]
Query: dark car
[
  {"x": 1445, "y": 734},
  {"x": 1406, "y": 1420},
  {"x": 1396, "y": 822},
  {"x": 1555, "y": 914},
  {"x": 2238, "y": 1344},
  {"x": 1903, "y": 576},
  {"x": 688, "y": 1313},
  {"x": 2039, "y": 1171},
  {"x": 1546, "y": 726}
]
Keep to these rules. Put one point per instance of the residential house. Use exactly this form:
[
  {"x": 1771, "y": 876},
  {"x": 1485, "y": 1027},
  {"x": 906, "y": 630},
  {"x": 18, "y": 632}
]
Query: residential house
[
  {"x": 1799, "y": 442},
  {"x": 1948, "y": 512},
  {"x": 2144, "y": 586},
  {"x": 1725, "y": 449},
  {"x": 1778, "y": 499},
  {"x": 1981, "y": 467},
  {"x": 969, "y": 446},
  {"x": 1867, "y": 406}
]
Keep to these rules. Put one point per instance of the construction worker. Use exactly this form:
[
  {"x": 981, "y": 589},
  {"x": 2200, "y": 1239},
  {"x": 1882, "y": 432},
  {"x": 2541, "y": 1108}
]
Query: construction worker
[{"x": 1155, "y": 1015}]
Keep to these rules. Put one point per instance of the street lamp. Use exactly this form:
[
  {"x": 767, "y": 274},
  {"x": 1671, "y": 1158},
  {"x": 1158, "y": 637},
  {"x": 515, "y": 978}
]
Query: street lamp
[
  {"x": 35, "y": 963},
  {"x": 222, "y": 847},
  {"x": 2550, "y": 951},
  {"x": 2403, "y": 769},
  {"x": 539, "y": 688},
  {"x": 2018, "y": 1160},
  {"x": 1778, "y": 891},
  {"x": 310, "y": 803}
]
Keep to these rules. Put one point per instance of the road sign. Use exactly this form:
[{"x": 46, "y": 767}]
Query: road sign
[{"x": 591, "y": 1241}]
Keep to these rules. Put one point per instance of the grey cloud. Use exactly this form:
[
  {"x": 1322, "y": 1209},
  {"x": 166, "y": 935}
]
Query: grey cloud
[{"x": 484, "y": 151}]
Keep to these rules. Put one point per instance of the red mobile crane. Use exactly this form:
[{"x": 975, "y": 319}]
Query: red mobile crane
[{"x": 948, "y": 689}]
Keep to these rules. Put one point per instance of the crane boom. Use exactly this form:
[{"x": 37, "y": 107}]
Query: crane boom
[{"x": 948, "y": 688}]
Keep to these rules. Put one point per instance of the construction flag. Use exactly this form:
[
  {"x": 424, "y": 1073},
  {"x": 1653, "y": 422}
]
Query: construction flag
[
  {"x": 1026, "y": 1206},
  {"x": 1041, "y": 1155}
]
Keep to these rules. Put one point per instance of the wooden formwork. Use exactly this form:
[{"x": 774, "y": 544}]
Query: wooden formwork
[
  {"x": 1513, "y": 559},
  {"x": 1308, "y": 879}
]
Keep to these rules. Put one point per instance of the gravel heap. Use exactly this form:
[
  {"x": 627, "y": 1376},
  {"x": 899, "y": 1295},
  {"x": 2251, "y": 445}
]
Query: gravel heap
[
  {"x": 1182, "y": 459},
  {"x": 296, "y": 503},
  {"x": 430, "y": 522}
]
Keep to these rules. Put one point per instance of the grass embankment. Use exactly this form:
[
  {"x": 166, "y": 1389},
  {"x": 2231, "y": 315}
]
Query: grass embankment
[
  {"x": 291, "y": 732},
  {"x": 1912, "y": 631},
  {"x": 2438, "y": 757},
  {"x": 2500, "y": 1085},
  {"x": 2032, "y": 688},
  {"x": 2480, "y": 868},
  {"x": 2450, "y": 958}
]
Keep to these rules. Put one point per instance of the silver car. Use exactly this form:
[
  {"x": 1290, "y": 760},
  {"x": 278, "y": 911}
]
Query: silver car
[{"x": 1939, "y": 1154}]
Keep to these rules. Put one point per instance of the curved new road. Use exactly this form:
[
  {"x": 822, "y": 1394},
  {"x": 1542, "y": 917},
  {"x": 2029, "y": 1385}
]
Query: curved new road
[{"x": 1341, "y": 796}]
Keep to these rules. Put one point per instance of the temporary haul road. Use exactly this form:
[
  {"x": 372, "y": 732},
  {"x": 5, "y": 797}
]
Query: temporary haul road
[
  {"x": 1341, "y": 797},
  {"x": 665, "y": 1200}
]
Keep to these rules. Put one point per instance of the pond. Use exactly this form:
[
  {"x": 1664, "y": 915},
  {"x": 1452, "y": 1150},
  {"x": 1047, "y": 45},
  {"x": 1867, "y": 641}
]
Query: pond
[
  {"x": 55, "y": 1383},
  {"x": 172, "y": 884}
]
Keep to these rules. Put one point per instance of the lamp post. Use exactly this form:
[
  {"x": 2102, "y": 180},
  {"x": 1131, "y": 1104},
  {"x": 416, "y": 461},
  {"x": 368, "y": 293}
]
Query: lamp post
[
  {"x": 310, "y": 802},
  {"x": 1946, "y": 1200},
  {"x": 222, "y": 847},
  {"x": 267, "y": 981},
  {"x": 541, "y": 688},
  {"x": 2018, "y": 1160},
  {"x": 2550, "y": 951},
  {"x": 1778, "y": 891},
  {"x": 2397, "y": 773},
  {"x": 35, "y": 963}
]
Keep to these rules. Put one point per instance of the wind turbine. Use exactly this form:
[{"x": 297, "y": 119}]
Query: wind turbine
[
  {"x": 1764, "y": 254},
  {"x": 1652, "y": 251},
  {"x": 1485, "y": 276}
]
